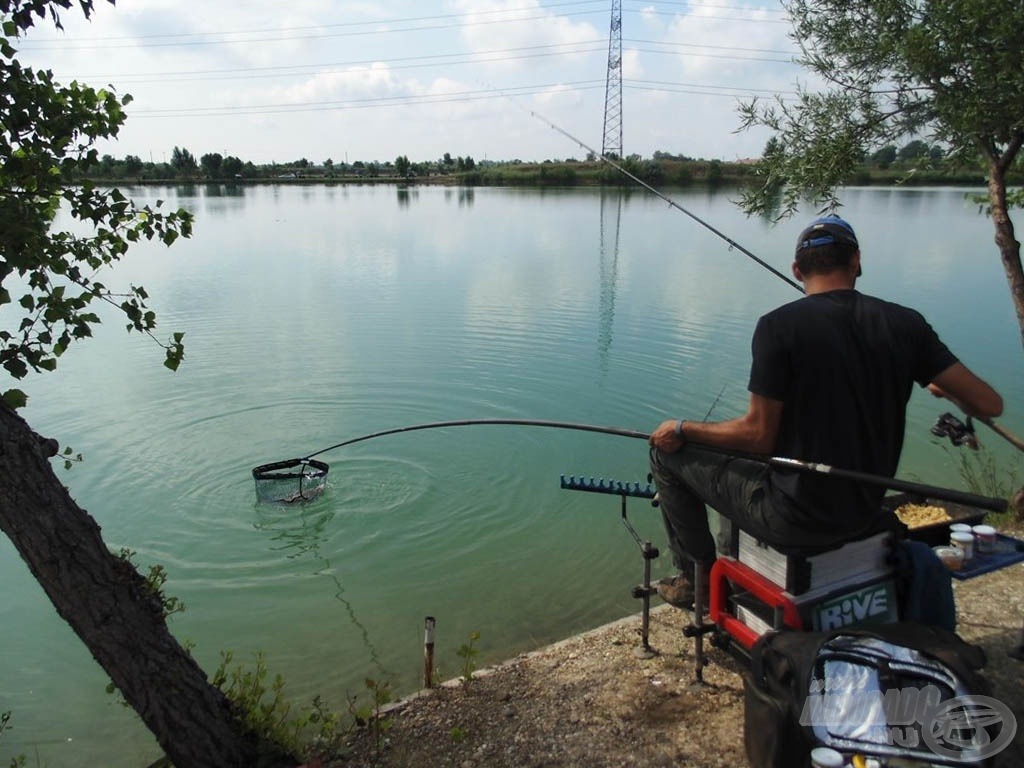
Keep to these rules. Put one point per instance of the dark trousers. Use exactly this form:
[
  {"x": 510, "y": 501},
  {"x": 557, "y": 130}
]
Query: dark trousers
[{"x": 739, "y": 489}]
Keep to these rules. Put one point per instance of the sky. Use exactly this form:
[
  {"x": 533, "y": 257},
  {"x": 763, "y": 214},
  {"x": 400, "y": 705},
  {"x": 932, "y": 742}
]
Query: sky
[{"x": 371, "y": 80}]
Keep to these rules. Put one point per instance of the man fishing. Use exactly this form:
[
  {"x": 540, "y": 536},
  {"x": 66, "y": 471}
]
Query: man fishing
[{"x": 830, "y": 379}]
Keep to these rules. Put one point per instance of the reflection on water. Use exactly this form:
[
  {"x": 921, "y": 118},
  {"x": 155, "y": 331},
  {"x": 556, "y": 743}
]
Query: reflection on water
[
  {"x": 405, "y": 195},
  {"x": 298, "y": 531},
  {"x": 223, "y": 190},
  {"x": 464, "y": 196},
  {"x": 609, "y": 269}
]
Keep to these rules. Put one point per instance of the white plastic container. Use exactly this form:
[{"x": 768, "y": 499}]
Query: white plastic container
[
  {"x": 984, "y": 538},
  {"x": 964, "y": 541}
]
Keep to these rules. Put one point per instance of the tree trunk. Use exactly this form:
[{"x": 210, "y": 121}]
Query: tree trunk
[
  {"x": 111, "y": 608},
  {"x": 1009, "y": 248}
]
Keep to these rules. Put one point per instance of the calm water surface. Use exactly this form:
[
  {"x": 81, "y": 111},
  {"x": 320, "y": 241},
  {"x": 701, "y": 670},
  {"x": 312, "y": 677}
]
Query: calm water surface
[{"x": 315, "y": 314}]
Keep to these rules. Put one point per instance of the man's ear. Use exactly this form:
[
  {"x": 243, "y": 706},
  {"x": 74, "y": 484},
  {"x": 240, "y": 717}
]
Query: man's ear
[
  {"x": 797, "y": 273},
  {"x": 855, "y": 262}
]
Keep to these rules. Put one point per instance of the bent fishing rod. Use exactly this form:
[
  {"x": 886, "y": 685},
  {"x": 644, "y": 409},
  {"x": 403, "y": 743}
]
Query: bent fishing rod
[
  {"x": 779, "y": 462},
  {"x": 1004, "y": 433}
]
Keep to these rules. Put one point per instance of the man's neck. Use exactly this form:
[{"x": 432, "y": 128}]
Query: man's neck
[{"x": 833, "y": 281}]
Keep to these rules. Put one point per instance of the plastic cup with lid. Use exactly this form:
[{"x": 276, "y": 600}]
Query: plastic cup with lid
[
  {"x": 984, "y": 538},
  {"x": 964, "y": 541}
]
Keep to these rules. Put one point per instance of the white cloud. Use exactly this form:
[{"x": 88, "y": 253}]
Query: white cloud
[
  {"x": 365, "y": 69},
  {"x": 489, "y": 25},
  {"x": 376, "y": 80}
]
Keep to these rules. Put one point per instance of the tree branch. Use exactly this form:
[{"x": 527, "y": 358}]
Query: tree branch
[{"x": 1009, "y": 154}]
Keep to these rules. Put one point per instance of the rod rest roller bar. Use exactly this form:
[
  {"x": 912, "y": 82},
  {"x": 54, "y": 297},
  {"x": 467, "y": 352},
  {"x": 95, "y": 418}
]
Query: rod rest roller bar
[{"x": 613, "y": 487}]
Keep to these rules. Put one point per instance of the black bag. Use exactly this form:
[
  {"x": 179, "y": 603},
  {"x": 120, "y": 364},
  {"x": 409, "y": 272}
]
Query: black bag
[{"x": 874, "y": 692}]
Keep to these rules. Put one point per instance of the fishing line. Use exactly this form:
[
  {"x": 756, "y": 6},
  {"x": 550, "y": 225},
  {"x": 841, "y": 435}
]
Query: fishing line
[
  {"x": 306, "y": 540},
  {"x": 715, "y": 403}
]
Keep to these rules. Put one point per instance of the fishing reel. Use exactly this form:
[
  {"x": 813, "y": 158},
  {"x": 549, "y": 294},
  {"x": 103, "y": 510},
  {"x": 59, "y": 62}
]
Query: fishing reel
[{"x": 959, "y": 433}]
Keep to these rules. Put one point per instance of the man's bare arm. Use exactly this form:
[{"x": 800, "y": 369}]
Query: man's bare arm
[
  {"x": 969, "y": 393},
  {"x": 754, "y": 432}
]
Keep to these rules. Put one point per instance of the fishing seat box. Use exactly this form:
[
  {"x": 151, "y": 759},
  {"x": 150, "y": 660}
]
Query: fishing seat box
[{"x": 761, "y": 589}]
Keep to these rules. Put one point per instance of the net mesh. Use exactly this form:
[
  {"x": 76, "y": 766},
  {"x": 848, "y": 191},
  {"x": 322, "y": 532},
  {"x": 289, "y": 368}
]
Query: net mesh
[{"x": 290, "y": 481}]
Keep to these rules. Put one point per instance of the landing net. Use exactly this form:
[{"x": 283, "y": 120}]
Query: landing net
[{"x": 290, "y": 481}]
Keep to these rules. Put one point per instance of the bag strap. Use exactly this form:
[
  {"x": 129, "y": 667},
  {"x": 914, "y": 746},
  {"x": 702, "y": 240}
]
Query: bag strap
[{"x": 935, "y": 643}]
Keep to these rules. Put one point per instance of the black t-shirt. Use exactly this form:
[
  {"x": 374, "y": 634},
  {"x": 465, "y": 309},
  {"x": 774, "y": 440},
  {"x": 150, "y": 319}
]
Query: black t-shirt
[{"x": 844, "y": 365}]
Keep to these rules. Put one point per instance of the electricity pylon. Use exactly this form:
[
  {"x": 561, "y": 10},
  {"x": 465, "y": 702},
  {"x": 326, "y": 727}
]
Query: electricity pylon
[{"x": 611, "y": 143}]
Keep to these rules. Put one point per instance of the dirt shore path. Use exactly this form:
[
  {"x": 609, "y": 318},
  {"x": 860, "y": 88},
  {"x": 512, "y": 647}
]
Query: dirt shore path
[{"x": 591, "y": 701}]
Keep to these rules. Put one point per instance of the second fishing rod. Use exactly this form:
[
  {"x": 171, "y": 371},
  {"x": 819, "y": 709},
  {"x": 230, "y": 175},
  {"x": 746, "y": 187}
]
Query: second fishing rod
[{"x": 1004, "y": 433}]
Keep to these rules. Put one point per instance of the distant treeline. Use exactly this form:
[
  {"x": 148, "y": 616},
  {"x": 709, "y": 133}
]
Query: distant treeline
[{"x": 914, "y": 164}]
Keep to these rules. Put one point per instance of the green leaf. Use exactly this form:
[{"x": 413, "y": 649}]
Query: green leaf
[
  {"x": 16, "y": 367},
  {"x": 15, "y": 398}
]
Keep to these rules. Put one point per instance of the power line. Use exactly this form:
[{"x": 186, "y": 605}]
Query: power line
[
  {"x": 291, "y": 38},
  {"x": 307, "y": 28},
  {"x": 479, "y": 57},
  {"x": 691, "y": 92},
  {"x": 724, "y": 56},
  {"x": 318, "y": 32},
  {"x": 654, "y": 12},
  {"x": 377, "y": 101},
  {"x": 441, "y": 59},
  {"x": 430, "y": 99},
  {"x": 711, "y": 47},
  {"x": 711, "y": 90},
  {"x": 684, "y": 3}
]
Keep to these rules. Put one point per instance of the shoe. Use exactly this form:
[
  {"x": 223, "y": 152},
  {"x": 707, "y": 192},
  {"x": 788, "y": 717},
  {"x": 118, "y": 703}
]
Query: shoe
[{"x": 678, "y": 591}]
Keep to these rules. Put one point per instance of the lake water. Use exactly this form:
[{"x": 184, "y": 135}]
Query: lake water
[{"x": 318, "y": 314}]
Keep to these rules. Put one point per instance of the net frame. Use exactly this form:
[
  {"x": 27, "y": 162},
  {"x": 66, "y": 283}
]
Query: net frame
[{"x": 290, "y": 480}]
